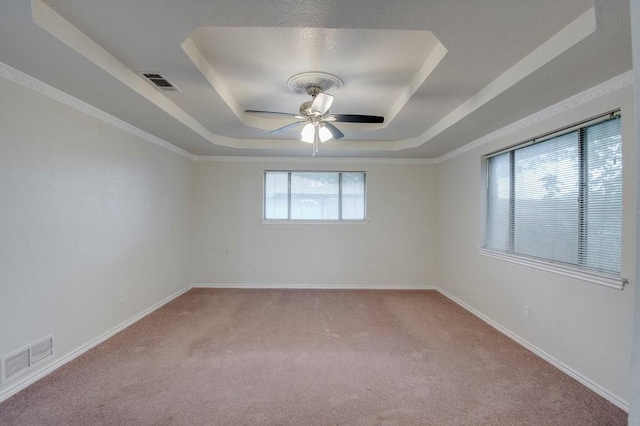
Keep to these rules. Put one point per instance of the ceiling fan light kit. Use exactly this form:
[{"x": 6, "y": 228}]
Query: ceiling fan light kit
[
  {"x": 315, "y": 113},
  {"x": 324, "y": 134},
  {"x": 308, "y": 132}
]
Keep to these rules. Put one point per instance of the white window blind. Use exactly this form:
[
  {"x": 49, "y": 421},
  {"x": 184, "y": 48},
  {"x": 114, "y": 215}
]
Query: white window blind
[
  {"x": 560, "y": 199},
  {"x": 314, "y": 195}
]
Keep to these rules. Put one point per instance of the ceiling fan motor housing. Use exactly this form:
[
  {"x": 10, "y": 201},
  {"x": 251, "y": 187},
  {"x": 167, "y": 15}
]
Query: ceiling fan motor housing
[
  {"x": 315, "y": 113},
  {"x": 305, "y": 110}
]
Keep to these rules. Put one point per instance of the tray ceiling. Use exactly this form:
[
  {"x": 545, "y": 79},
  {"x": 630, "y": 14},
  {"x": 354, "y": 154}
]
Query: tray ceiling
[{"x": 430, "y": 68}]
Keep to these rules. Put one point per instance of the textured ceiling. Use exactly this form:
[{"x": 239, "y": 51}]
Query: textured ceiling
[
  {"x": 443, "y": 73},
  {"x": 255, "y": 73}
]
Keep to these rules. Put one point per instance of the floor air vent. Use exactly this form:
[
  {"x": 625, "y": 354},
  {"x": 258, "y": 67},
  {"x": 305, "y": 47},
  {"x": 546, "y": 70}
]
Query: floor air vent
[
  {"x": 160, "y": 81},
  {"x": 24, "y": 360}
]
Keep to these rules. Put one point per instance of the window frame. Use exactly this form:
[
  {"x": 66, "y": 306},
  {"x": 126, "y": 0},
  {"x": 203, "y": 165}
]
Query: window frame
[
  {"x": 613, "y": 280},
  {"x": 289, "y": 220}
]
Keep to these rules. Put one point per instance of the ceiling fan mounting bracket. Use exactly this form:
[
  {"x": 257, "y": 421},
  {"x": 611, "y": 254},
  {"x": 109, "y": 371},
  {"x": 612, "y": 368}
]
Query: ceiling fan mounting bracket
[
  {"x": 312, "y": 83},
  {"x": 314, "y": 90}
]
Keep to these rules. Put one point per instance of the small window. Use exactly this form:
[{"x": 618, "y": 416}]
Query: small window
[
  {"x": 559, "y": 198},
  {"x": 313, "y": 195}
]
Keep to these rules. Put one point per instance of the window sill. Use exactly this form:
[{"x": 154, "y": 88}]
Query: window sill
[
  {"x": 604, "y": 280},
  {"x": 314, "y": 222}
]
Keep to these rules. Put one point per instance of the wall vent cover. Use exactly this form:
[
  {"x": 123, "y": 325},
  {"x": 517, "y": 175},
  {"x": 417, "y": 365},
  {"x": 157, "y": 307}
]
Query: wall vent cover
[
  {"x": 160, "y": 81},
  {"x": 23, "y": 360},
  {"x": 41, "y": 350},
  {"x": 16, "y": 364}
]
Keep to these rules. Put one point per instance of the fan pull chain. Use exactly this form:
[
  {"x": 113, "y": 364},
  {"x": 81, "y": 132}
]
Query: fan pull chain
[{"x": 316, "y": 140}]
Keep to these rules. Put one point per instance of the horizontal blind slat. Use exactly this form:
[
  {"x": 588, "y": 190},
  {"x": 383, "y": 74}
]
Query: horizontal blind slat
[{"x": 566, "y": 198}]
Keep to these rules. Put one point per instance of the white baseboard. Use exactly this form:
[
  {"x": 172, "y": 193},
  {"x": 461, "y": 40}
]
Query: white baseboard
[
  {"x": 318, "y": 286},
  {"x": 614, "y": 399},
  {"x": 45, "y": 370},
  {"x": 39, "y": 374}
]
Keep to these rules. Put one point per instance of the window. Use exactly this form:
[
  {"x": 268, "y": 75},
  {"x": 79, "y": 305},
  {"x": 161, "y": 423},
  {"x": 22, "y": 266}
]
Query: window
[
  {"x": 559, "y": 198},
  {"x": 302, "y": 195}
]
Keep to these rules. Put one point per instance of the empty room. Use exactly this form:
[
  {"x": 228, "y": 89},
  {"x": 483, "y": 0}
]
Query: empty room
[{"x": 336, "y": 212}]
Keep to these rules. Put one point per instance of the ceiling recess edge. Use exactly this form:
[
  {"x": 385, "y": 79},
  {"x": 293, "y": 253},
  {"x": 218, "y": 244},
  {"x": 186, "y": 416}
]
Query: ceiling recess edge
[{"x": 58, "y": 26}]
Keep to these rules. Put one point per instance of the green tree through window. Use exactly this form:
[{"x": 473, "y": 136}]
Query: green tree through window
[{"x": 560, "y": 199}]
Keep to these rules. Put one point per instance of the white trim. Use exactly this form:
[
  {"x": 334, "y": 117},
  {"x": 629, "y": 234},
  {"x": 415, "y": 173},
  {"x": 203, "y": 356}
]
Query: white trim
[
  {"x": 319, "y": 286},
  {"x": 22, "y": 384},
  {"x": 39, "y": 374},
  {"x": 241, "y": 159},
  {"x": 581, "y": 98},
  {"x": 588, "y": 95},
  {"x": 59, "y": 27},
  {"x": 42, "y": 88},
  {"x": 614, "y": 399},
  {"x": 38, "y": 86},
  {"x": 4, "y": 380},
  {"x": 592, "y": 277},
  {"x": 34, "y": 377},
  {"x": 576, "y": 31},
  {"x": 313, "y": 222}
]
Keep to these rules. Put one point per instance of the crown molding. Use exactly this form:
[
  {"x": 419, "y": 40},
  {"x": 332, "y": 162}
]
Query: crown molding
[
  {"x": 42, "y": 88},
  {"x": 581, "y": 98},
  {"x": 9, "y": 73},
  {"x": 579, "y": 29},
  {"x": 315, "y": 160}
]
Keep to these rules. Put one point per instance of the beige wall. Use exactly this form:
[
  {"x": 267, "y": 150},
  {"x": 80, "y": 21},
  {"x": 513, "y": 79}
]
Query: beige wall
[
  {"x": 583, "y": 325},
  {"x": 634, "y": 414},
  {"x": 87, "y": 212},
  {"x": 228, "y": 237}
]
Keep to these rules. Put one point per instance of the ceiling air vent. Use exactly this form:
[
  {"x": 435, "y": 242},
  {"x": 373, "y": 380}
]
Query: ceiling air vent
[
  {"x": 23, "y": 360},
  {"x": 160, "y": 81}
]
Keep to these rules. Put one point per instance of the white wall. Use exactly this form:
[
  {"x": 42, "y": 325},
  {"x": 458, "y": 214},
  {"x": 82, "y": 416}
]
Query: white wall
[
  {"x": 634, "y": 414},
  {"x": 228, "y": 238},
  {"x": 585, "y": 326},
  {"x": 87, "y": 211}
]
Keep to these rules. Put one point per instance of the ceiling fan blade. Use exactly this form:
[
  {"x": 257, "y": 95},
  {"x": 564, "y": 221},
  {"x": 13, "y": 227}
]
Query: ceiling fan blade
[
  {"x": 356, "y": 118},
  {"x": 321, "y": 103},
  {"x": 284, "y": 128},
  {"x": 335, "y": 132},
  {"x": 284, "y": 114}
]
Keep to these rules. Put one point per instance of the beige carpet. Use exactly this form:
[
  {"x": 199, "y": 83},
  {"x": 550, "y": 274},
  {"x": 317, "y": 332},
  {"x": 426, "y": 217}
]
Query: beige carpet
[{"x": 309, "y": 357}]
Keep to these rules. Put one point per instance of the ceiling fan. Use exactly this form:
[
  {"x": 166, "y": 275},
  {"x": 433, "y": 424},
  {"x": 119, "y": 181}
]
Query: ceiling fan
[{"x": 315, "y": 113}]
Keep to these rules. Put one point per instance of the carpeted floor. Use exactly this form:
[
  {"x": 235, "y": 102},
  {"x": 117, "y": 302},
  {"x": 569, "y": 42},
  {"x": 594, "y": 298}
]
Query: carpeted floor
[{"x": 309, "y": 357}]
